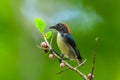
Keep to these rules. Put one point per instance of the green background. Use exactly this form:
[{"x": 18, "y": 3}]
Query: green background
[{"x": 20, "y": 59}]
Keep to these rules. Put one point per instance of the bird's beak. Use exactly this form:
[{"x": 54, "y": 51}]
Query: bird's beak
[{"x": 52, "y": 27}]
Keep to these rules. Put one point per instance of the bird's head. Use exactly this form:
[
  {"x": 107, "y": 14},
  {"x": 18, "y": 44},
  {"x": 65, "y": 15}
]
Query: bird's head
[{"x": 60, "y": 27}]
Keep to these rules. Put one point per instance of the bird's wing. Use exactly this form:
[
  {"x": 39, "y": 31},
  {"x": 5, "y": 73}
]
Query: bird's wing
[{"x": 69, "y": 40}]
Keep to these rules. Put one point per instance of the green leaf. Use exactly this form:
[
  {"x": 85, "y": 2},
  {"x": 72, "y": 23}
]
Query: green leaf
[
  {"x": 40, "y": 24},
  {"x": 48, "y": 34}
]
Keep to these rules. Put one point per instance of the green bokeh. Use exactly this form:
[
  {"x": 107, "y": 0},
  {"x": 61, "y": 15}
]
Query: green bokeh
[{"x": 20, "y": 59}]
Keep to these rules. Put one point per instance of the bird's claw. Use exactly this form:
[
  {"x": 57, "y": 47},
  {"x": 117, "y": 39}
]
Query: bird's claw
[{"x": 60, "y": 59}]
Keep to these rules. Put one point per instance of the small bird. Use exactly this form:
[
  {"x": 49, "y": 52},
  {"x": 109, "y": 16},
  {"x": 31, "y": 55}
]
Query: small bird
[{"x": 66, "y": 44}]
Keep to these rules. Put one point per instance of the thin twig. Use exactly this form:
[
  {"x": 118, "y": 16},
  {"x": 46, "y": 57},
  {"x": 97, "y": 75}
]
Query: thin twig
[
  {"x": 42, "y": 47},
  {"x": 94, "y": 55},
  {"x": 51, "y": 38},
  {"x": 63, "y": 70},
  {"x": 47, "y": 43},
  {"x": 77, "y": 71},
  {"x": 75, "y": 67},
  {"x": 81, "y": 64}
]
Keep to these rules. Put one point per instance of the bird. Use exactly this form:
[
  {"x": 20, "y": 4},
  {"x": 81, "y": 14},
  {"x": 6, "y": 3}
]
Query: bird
[{"x": 66, "y": 43}]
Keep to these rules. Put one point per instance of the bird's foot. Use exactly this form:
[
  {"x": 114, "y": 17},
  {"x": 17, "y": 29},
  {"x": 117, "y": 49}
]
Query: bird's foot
[{"x": 60, "y": 60}]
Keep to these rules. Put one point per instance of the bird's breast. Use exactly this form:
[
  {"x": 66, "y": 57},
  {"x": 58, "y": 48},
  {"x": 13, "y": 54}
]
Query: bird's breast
[{"x": 61, "y": 45}]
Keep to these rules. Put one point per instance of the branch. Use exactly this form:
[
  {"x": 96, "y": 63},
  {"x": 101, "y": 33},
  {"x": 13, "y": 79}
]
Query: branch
[{"x": 94, "y": 55}]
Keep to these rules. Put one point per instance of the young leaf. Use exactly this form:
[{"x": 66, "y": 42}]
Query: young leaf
[
  {"x": 40, "y": 24},
  {"x": 48, "y": 34}
]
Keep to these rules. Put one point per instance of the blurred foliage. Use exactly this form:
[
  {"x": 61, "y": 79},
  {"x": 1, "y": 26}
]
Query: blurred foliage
[{"x": 20, "y": 59}]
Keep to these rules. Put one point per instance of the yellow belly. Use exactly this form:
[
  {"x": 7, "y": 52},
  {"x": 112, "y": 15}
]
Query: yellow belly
[{"x": 62, "y": 46}]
